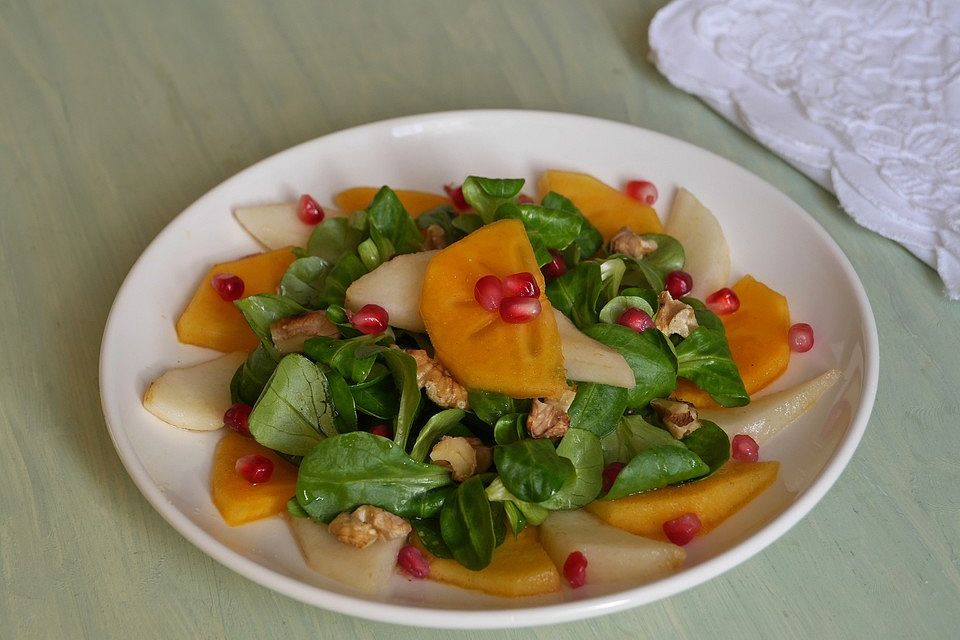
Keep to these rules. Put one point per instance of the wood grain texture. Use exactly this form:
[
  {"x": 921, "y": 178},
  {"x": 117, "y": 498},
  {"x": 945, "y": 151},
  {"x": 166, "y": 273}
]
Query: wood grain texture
[{"x": 114, "y": 116}]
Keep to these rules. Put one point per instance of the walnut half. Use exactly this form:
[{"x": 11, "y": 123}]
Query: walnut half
[
  {"x": 674, "y": 316},
  {"x": 463, "y": 456},
  {"x": 631, "y": 244},
  {"x": 548, "y": 418},
  {"x": 366, "y": 525},
  {"x": 289, "y": 334},
  {"x": 434, "y": 378},
  {"x": 679, "y": 417}
]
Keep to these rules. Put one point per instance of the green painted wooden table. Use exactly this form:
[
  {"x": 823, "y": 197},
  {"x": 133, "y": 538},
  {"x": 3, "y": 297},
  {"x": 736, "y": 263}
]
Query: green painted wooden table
[{"x": 115, "y": 115}]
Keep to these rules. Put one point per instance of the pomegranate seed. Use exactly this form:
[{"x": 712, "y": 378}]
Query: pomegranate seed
[
  {"x": 228, "y": 286},
  {"x": 745, "y": 448},
  {"x": 525, "y": 199},
  {"x": 519, "y": 309},
  {"x": 610, "y": 473},
  {"x": 636, "y": 319},
  {"x": 522, "y": 285},
  {"x": 382, "y": 430},
  {"x": 678, "y": 283},
  {"x": 800, "y": 337},
  {"x": 309, "y": 210},
  {"x": 456, "y": 196},
  {"x": 370, "y": 319},
  {"x": 575, "y": 569},
  {"x": 682, "y": 530},
  {"x": 254, "y": 468},
  {"x": 488, "y": 292},
  {"x": 723, "y": 301},
  {"x": 642, "y": 190},
  {"x": 412, "y": 562},
  {"x": 237, "y": 418},
  {"x": 556, "y": 267}
]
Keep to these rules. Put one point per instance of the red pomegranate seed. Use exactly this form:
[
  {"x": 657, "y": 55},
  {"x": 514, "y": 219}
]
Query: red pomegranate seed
[
  {"x": 519, "y": 309},
  {"x": 556, "y": 267},
  {"x": 744, "y": 448},
  {"x": 237, "y": 418},
  {"x": 682, "y": 530},
  {"x": 525, "y": 199},
  {"x": 412, "y": 562},
  {"x": 609, "y": 475},
  {"x": 521, "y": 284},
  {"x": 456, "y": 196},
  {"x": 254, "y": 468},
  {"x": 800, "y": 337},
  {"x": 575, "y": 569},
  {"x": 228, "y": 286},
  {"x": 309, "y": 210},
  {"x": 636, "y": 319},
  {"x": 371, "y": 318},
  {"x": 642, "y": 190},
  {"x": 679, "y": 283},
  {"x": 382, "y": 430},
  {"x": 723, "y": 301},
  {"x": 488, "y": 292}
]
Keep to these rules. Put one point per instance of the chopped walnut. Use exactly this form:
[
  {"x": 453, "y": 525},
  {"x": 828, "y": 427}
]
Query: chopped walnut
[
  {"x": 674, "y": 316},
  {"x": 436, "y": 237},
  {"x": 440, "y": 386},
  {"x": 629, "y": 243},
  {"x": 366, "y": 525},
  {"x": 549, "y": 419},
  {"x": 463, "y": 456},
  {"x": 680, "y": 418},
  {"x": 289, "y": 334}
]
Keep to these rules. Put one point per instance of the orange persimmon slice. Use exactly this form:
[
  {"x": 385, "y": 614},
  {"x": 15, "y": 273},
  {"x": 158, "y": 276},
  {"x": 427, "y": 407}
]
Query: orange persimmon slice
[
  {"x": 608, "y": 209},
  {"x": 238, "y": 501},
  {"x": 480, "y": 349},
  {"x": 415, "y": 202},
  {"x": 757, "y": 334},
  {"x": 210, "y": 321}
]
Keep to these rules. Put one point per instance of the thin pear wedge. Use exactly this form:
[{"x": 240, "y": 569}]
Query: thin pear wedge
[
  {"x": 768, "y": 415},
  {"x": 194, "y": 397},
  {"x": 277, "y": 225},
  {"x": 705, "y": 247}
]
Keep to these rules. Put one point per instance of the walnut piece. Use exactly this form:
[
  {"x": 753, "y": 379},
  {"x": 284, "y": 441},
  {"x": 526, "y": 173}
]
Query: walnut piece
[
  {"x": 674, "y": 316},
  {"x": 366, "y": 525},
  {"x": 289, "y": 334},
  {"x": 680, "y": 418},
  {"x": 436, "y": 237},
  {"x": 440, "y": 386},
  {"x": 630, "y": 244},
  {"x": 548, "y": 418},
  {"x": 463, "y": 456}
]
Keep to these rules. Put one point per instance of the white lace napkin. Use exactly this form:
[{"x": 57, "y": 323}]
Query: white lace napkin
[{"x": 863, "y": 96}]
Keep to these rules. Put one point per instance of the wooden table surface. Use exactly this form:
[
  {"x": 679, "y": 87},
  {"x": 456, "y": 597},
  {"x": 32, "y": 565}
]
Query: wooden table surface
[{"x": 115, "y": 115}]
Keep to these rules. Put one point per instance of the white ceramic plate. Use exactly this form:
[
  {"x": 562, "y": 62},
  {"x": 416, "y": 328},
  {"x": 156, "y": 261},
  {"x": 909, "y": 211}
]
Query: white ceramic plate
[{"x": 769, "y": 236}]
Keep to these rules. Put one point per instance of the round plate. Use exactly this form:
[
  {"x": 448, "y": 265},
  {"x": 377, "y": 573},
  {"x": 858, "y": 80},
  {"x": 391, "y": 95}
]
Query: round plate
[{"x": 769, "y": 236}]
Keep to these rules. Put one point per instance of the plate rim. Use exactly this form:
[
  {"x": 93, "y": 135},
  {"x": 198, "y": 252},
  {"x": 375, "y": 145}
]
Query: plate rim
[{"x": 460, "y": 618}]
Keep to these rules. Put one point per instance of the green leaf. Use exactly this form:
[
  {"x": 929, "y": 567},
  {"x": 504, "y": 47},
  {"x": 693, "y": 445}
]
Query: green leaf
[
  {"x": 485, "y": 195},
  {"x": 294, "y": 412},
  {"x": 467, "y": 223},
  {"x": 533, "y": 514},
  {"x": 428, "y": 532},
  {"x": 343, "y": 274},
  {"x": 589, "y": 240},
  {"x": 633, "y": 435},
  {"x": 305, "y": 280},
  {"x": 333, "y": 239},
  {"x": 346, "y": 471},
  {"x": 575, "y": 293},
  {"x": 704, "y": 358},
  {"x": 438, "y": 425},
  {"x": 391, "y": 225},
  {"x": 583, "y": 449},
  {"x": 531, "y": 469},
  {"x": 369, "y": 254},
  {"x": 655, "y": 468},
  {"x": 467, "y": 527},
  {"x": 377, "y": 398},
  {"x": 404, "y": 370},
  {"x": 649, "y": 355},
  {"x": 669, "y": 255},
  {"x": 711, "y": 443},
  {"x": 705, "y": 318},
  {"x": 612, "y": 310},
  {"x": 597, "y": 407},
  {"x": 611, "y": 274},
  {"x": 510, "y": 428},
  {"x": 556, "y": 228},
  {"x": 429, "y": 503},
  {"x": 261, "y": 311},
  {"x": 344, "y": 407},
  {"x": 490, "y": 406},
  {"x": 252, "y": 376}
]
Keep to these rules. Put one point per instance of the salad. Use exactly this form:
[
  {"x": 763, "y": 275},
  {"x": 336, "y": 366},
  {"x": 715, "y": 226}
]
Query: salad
[{"x": 496, "y": 392}]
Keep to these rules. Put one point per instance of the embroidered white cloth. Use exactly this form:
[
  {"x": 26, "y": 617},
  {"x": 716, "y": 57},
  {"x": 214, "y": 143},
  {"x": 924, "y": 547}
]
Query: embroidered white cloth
[{"x": 863, "y": 96}]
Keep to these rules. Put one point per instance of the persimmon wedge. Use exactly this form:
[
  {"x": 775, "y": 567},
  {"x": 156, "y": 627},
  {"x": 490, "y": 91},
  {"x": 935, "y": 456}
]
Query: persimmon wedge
[
  {"x": 415, "y": 202},
  {"x": 481, "y": 350},
  {"x": 238, "y": 501}
]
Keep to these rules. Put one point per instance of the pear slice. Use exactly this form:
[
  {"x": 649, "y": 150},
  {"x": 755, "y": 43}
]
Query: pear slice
[
  {"x": 766, "y": 416},
  {"x": 367, "y": 570},
  {"x": 707, "y": 256},
  {"x": 587, "y": 360},
  {"x": 395, "y": 285},
  {"x": 614, "y": 556},
  {"x": 276, "y": 226},
  {"x": 194, "y": 397}
]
